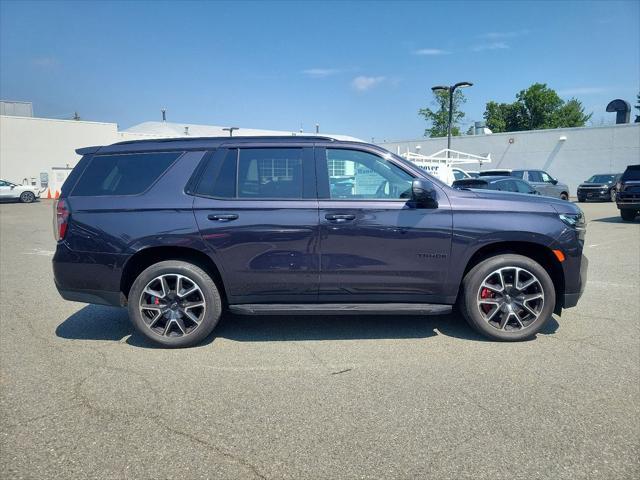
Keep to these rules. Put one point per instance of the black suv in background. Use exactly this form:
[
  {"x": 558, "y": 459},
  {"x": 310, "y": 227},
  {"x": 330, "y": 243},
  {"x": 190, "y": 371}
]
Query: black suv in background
[
  {"x": 628, "y": 193},
  {"x": 178, "y": 230},
  {"x": 602, "y": 186}
]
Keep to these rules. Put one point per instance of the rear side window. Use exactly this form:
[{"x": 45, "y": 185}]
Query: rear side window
[
  {"x": 517, "y": 173},
  {"x": 270, "y": 173},
  {"x": 127, "y": 174},
  {"x": 535, "y": 176}
]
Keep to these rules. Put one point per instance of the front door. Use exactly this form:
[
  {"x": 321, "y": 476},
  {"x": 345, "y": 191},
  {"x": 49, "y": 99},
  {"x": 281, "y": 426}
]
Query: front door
[
  {"x": 376, "y": 246},
  {"x": 257, "y": 211}
]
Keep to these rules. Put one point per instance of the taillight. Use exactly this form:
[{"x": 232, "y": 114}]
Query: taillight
[{"x": 60, "y": 219}]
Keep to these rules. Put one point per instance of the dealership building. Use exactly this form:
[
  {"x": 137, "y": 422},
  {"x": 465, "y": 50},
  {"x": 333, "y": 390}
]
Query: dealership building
[{"x": 41, "y": 151}]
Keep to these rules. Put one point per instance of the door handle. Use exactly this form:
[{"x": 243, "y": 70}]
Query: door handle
[
  {"x": 227, "y": 217},
  {"x": 340, "y": 218}
]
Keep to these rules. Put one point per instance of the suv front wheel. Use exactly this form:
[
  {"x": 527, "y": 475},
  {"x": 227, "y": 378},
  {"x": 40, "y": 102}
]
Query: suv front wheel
[
  {"x": 507, "y": 297},
  {"x": 174, "y": 303}
]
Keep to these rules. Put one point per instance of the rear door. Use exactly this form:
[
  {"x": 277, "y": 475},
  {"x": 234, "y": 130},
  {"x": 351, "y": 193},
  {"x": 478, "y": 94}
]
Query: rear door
[
  {"x": 534, "y": 177},
  {"x": 257, "y": 210},
  {"x": 376, "y": 246}
]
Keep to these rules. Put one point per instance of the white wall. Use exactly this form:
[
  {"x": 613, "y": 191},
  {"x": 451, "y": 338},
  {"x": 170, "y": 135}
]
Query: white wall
[
  {"x": 585, "y": 151},
  {"x": 29, "y": 145}
]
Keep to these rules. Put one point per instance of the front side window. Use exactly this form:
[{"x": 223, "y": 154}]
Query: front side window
[
  {"x": 270, "y": 173},
  {"x": 124, "y": 174},
  {"x": 358, "y": 175},
  {"x": 546, "y": 178}
]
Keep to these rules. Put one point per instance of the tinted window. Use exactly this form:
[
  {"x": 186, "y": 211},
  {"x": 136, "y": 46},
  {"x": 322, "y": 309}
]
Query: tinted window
[
  {"x": 535, "y": 176},
  {"x": 517, "y": 173},
  {"x": 506, "y": 186},
  {"x": 470, "y": 184},
  {"x": 4, "y": 184},
  {"x": 123, "y": 174},
  {"x": 355, "y": 175},
  {"x": 523, "y": 187},
  {"x": 270, "y": 173},
  {"x": 219, "y": 177},
  {"x": 631, "y": 173},
  {"x": 601, "y": 179},
  {"x": 458, "y": 175}
]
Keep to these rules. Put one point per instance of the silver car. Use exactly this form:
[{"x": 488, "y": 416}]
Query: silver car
[
  {"x": 13, "y": 191},
  {"x": 544, "y": 183}
]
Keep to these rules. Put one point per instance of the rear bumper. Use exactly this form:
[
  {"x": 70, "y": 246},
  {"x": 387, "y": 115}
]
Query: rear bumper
[
  {"x": 570, "y": 298},
  {"x": 98, "y": 297}
]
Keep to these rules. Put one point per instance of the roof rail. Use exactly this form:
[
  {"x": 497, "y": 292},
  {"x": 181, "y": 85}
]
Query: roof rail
[{"x": 237, "y": 138}]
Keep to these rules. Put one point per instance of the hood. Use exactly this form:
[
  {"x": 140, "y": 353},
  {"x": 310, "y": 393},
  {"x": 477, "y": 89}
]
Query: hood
[
  {"x": 595, "y": 185},
  {"x": 525, "y": 201}
]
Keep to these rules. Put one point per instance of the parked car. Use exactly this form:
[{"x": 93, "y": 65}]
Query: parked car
[
  {"x": 504, "y": 184},
  {"x": 13, "y": 191},
  {"x": 541, "y": 181},
  {"x": 599, "y": 187},
  {"x": 178, "y": 229},
  {"x": 628, "y": 193}
]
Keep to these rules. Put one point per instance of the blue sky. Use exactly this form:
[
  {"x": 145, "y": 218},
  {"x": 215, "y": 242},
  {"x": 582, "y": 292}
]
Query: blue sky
[{"x": 356, "y": 68}]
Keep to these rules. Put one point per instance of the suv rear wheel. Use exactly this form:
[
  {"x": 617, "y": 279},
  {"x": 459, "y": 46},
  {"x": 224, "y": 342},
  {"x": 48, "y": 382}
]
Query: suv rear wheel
[
  {"x": 174, "y": 303},
  {"x": 628, "y": 215},
  {"x": 508, "y": 297}
]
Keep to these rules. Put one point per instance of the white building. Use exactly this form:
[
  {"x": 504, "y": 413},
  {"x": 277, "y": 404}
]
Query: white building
[{"x": 570, "y": 154}]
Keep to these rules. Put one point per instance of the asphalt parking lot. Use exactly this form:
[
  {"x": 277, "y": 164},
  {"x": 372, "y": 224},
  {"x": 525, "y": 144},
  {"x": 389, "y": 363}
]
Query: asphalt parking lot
[{"x": 314, "y": 397}]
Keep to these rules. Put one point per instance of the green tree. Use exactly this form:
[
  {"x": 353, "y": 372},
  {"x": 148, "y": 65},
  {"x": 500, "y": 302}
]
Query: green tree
[
  {"x": 438, "y": 119},
  {"x": 537, "y": 107}
]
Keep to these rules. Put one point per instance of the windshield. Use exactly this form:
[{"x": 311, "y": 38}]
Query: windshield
[
  {"x": 631, "y": 173},
  {"x": 601, "y": 179}
]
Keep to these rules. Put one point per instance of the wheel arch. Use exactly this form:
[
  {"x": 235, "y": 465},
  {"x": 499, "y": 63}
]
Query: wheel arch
[
  {"x": 535, "y": 251},
  {"x": 148, "y": 256}
]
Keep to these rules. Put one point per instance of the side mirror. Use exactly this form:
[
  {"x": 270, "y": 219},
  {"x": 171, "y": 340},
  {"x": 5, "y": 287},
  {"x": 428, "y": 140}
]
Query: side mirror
[
  {"x": 12, "y": 187},
  {"x": 423, "y": 193},
  {"x": 554, "y": 181}
]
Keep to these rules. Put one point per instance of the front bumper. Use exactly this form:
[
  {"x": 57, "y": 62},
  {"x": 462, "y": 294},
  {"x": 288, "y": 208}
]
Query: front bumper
[
  {"x": 570, "y": 298},
  {"x": 593, "y": 194}
]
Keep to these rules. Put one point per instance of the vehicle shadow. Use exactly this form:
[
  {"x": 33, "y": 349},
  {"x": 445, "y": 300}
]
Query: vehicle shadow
[
  {"x": 96, "y": 322},
  {"x": 617, "y": 219}
]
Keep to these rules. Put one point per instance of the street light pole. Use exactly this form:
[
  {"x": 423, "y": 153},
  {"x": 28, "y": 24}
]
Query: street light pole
[{"x": 451, "y": 90}]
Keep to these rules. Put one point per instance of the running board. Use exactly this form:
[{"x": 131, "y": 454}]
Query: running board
[{"x": 341, "y": 309}]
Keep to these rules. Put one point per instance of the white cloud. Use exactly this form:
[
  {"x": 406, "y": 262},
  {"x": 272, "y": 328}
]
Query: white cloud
[
  {"x": 320, "y": 72},
  {"x": 363, "y": 83},
  {"x": 582, "y": 91},
  {"x": 45, "y": 62},
  {"x": 499, "y": 35},
  {"x": 431, "y": 51},
  {"x": 490, "y": 46}
]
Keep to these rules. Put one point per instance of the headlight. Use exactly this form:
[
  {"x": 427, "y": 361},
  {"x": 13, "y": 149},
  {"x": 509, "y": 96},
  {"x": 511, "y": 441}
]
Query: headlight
[{"x": 574, "y": 220}]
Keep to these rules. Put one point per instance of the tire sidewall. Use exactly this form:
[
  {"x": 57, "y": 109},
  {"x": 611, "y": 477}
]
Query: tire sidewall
[
  {"x": 195, "y": 274},
  {"x": 474, "y": 278}
]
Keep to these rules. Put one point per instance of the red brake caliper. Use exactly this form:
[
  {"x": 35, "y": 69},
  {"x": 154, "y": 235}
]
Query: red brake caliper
[{"x": 486, "y": 293}]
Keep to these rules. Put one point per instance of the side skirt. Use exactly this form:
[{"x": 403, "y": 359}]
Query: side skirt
[{"x": 341, "y": 309}]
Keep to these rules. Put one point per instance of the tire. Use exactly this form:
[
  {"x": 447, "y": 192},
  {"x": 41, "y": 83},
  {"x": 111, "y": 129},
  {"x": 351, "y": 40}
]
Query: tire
[
  {"x": 524, "y": 324},
  {"x": 564, "y": 196},
  {"x": 167, "y": 320},
  {"x": 628, "y": 215},
  {"x": 27, "y": 197},
  {"x": 612, "y": 195}
]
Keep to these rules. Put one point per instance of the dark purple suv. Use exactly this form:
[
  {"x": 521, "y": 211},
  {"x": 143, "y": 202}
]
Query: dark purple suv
[{"x": 178, "y": 230}]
